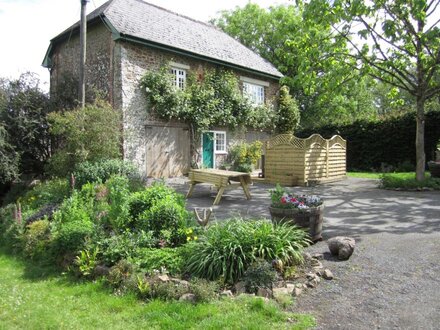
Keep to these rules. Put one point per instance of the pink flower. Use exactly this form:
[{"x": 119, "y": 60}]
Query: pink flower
[{"x": 283, "y": 200}]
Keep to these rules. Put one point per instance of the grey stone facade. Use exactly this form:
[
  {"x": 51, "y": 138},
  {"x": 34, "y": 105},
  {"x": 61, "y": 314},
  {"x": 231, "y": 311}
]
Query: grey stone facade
[{"x": 116, "y": 67}]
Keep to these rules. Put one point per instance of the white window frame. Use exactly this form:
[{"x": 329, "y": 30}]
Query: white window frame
[
  {"x": 179, "y": 77},
  {"x": 254, "y": 89},
  {"x": 223, "y": 150},
  {"x": 220, "y": 152}
]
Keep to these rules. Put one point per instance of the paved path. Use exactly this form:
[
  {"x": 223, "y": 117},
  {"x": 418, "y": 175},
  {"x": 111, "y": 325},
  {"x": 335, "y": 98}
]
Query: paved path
[{"x": 392, "y": 281}]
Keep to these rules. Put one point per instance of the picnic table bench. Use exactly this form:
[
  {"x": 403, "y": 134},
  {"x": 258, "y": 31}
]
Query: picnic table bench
[{"x": 221, "y": 180}]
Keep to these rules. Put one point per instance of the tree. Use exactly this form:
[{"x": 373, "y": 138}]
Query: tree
[
  {"x": 9, "y": 158},
  {"x": 288, "y": 112},
  {"x": 23, "y": 110},
  {"x": 398, "y": 43},
  {"x": 88, "y": 134},
  {"x": 305, "y": 51}
]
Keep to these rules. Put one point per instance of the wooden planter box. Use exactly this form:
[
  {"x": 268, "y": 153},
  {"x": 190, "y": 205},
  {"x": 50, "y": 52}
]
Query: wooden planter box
[
  {"x": 310, "y": 219},
  {"x": 434, "y": 168}
]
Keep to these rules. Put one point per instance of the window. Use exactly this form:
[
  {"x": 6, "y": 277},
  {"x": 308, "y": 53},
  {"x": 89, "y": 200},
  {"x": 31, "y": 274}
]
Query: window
[
  {"x": 255, "y": 93},
  {"x": 220, "y": 142},
  {"x": 179, "y": 77}
]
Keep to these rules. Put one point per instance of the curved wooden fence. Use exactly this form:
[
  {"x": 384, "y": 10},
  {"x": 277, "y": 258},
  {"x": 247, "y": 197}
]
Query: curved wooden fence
[{"x": 293, "y": 161}]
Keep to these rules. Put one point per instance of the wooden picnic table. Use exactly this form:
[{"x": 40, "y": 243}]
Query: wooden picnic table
[{"x": 221, "y": 180}]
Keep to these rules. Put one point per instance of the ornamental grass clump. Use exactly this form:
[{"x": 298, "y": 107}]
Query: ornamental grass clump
[
  {"x": 281, "y": 198},
  {"x": 228, "y": 249}
]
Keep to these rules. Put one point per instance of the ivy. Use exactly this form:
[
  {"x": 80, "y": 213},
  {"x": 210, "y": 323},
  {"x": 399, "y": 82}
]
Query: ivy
[{"x": 214, "y": 100}]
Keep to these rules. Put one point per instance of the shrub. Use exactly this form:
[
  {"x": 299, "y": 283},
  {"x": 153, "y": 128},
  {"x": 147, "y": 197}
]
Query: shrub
[
  {"x": 204, "y": 290},
  {"x": 167, "y": 220},
  {"x": 102, "y": 170},
  {"x": 36, "y": 239},
  {"x": 47, "y": 192},
  {"x": 72, "y": 224},
  {"x": 88, "y": 134},
  {"x": 120, "y": 272},
  {"x": 407, "y": 181},
  {"x": 144, "y": 200},
  {"x": 169, "y": 259},
  {"x": 118, "y": 198},
  {"x": 259, "y": 275},
  {"x": 365, "y": 151},
  {"x": 167, "y": 290},
  {"x": 10, "y": 229},
  {"x": 227, "y": 250},
  {"x": 288, "y": 112},
  {"x": 244, "y": 155},
  {"x": 124, "y": 246}
]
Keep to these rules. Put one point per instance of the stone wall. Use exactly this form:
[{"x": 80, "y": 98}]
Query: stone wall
[
  {"x": 99, "y": 64},
  {"x": 135, "y": 61}
]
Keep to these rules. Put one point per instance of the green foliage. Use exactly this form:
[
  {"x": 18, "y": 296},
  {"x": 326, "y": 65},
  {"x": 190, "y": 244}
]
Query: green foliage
[
  {"x": 10, "y": 229},
  {"x": 124, "y": 246},
  {"x": 88, "y": 304},
  {"x": 389, "y": 141},
  {"x": 9, "y": 166},
  {"x": 326, "y": 87},
  {"x": 169, "y": 259},
  {"x": 47, "y": 192},
  {"x": 36, "y": 240},
  {"x": 23, "y": 114},
  {"x": 143, "y": 200},
  {"x": 166, "y": 290},
  {"x": 407, "y": 181},
  {"x": 212, "y": 100},
  {"x": 102, "y": 170},
  {"x": 288, "y": 112},
  {"x": 120, "y": 273},
  {"x": 89, "y": 134},
  {"x": 87, "y": 261},
  {"x": 260, "y": 274},
  {"x": 227, "y": 250},
  {"x": 204, "y": 290},
  {"x": 167, "y": 220},
  {"x": 118, "y": 198},
  {"x": 72, "y": 224},
  {"x": 244, "y": 155}
]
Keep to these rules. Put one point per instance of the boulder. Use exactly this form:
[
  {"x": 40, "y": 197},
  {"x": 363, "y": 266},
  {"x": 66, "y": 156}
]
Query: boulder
[
  {"x": 342, "y": 247},
  {"x": 163, "y": 278},
  {"x": 327, "y": 275},
  {"x": 265, "y": 293},
  {"x": 297, "y": 291},
  {"x": 226, "y": 293},
  {"x": 101, "y": 270},
  {"x": 240, "y": 287},
  {"x": 189, "y": 297}
]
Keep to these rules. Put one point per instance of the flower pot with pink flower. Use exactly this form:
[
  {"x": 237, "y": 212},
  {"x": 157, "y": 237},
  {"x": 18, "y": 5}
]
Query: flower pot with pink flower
[{"x": 304, "y": 211}]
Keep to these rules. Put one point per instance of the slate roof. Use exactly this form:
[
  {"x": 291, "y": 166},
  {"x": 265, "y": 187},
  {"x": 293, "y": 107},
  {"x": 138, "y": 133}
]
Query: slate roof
[{"x": 143, "y": 21}]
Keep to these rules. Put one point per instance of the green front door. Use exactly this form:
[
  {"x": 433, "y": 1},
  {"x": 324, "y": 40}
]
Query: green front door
[{"x": 208, "y": 149}]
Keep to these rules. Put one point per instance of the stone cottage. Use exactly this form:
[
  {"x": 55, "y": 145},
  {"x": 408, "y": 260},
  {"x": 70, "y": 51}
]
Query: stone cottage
[{"x": 125, "y": 38}]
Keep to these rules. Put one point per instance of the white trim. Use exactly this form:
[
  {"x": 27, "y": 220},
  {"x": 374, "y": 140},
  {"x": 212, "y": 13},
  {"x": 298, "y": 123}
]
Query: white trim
[
  {"x": 254, "y": 81},
  {"x": 214, "y": 151},
  {"x": 179, "y": 66}
]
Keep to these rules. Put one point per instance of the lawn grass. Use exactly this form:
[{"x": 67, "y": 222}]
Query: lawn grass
[
  {"x": 32, "y": 297},
  {"x": 364, "y": 175},
  {"x": 401, "y": 180}
]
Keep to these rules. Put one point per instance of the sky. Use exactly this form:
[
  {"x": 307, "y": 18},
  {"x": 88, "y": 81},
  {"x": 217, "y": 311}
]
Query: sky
[{"x": 27, "y": 26}]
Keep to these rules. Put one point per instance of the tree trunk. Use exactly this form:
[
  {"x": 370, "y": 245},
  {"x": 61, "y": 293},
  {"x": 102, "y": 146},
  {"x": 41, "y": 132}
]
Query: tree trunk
[{"x": 420, "y": 139}]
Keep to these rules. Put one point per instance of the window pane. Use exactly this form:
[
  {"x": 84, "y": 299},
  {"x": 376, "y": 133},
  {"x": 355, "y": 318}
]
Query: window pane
[
  {"x": 179, "y": 77},
  {"x": 220, "y": 142},
  {"x": 255, "y": 93}
]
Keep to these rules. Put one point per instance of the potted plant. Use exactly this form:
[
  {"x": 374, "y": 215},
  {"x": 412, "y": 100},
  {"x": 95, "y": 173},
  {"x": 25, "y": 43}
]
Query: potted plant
[{"x": 304, "y": 211}]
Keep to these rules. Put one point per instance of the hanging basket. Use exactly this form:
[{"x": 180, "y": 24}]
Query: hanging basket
[{"x": 310, "y": 219}]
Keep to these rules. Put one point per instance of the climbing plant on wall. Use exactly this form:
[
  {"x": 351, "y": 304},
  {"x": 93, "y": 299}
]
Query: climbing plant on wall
[{"x": 214, "y": 100}]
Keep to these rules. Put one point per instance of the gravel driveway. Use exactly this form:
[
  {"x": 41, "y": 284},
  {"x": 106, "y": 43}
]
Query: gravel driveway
[{"x": 392, "y": 281}]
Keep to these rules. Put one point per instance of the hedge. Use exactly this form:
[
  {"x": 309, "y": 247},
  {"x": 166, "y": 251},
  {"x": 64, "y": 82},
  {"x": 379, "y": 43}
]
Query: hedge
[{"x": 390, "y": 142}]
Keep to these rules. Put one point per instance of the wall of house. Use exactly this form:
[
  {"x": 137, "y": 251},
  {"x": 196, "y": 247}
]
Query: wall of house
[
  {"x": 99, "y": 64},
  {"x": 134, "y": 61}
]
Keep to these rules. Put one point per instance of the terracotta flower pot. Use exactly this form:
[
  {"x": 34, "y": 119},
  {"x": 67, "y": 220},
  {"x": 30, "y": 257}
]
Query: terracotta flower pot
[{"x": 310, "y": 219}]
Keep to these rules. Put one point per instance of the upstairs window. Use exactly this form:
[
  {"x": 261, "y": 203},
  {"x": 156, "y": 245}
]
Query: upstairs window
[
  {"x": 179, "y": 77},
  {"x": 254, "y": 92}
]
